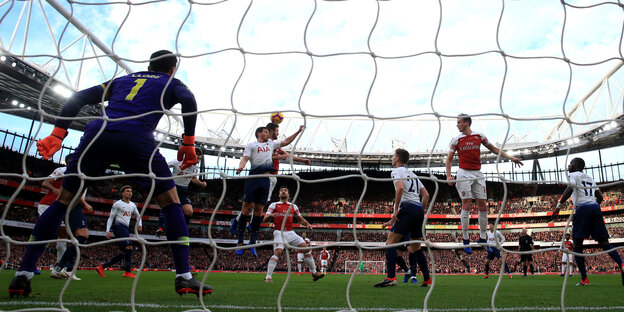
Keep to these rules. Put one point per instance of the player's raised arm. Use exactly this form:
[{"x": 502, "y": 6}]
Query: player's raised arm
[
  {"x": 186, "y": 153},
  {"x": 496, "y": 150},
  {"x": 52, "y": 143},
  {"x": 291, "y": 138}
]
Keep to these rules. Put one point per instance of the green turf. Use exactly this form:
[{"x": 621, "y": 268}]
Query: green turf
[{"x": 248, "y": 292}]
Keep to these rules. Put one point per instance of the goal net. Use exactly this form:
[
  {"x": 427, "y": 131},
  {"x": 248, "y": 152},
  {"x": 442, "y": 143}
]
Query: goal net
[
  {"x": 365, "y": 267},
  {"x": 363, "y": 77}
]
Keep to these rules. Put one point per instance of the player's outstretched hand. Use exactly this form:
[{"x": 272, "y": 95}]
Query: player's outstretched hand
[
  {"x": 52, "y": 143},
  {"x": 108, "y": 235},
  {"x": 555, "y": 213},
  {"x": 517, "y": 161},
  {"x": 186, "y": 153},
  {"x": 450, "y": 178},
  {"x": 386, "y": 224},
  {"x": 309, "y": 226}
]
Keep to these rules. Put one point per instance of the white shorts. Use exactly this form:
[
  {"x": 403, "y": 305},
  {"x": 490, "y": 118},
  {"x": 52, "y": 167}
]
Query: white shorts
[
  {"x": 472, "y": 188},
  {"x": 323, "y": 262},
  {"x": 300, "y": 256},
  {"x": 273, "y": 181},
  {"x": 41, "y": 208},
  {"x": 290, "y": 237},
  {"x": 564, "y": 257}
]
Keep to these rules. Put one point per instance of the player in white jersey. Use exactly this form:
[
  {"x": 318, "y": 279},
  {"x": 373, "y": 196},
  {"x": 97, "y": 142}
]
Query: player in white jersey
[
  {"x": 278, "y": 155},
  {"x": 407, "y": 219},
  {"x": 468, "y": 147},
  {"x": 182, "y": 179},
  {"x": 119, "y": 223},
  {"x": 494, "y": 235},
  {"x": 324, "y": 257},
  {"x": 282, "y": 213},
  {"x": 587, "y": 220},
  {"x": 567, "y": 245},
  {"x": 259, "y": 154},
  {"x": 300, "y": 253}
]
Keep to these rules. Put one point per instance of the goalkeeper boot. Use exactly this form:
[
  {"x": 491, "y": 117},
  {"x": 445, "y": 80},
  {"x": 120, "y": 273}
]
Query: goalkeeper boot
[
  {"x": 387, "y": 282},
  {"x": 20, "y": 285},
  {"x": 467, "y": 249},
  {"x": 159, "y": 232},
  {"x": 191, "y": 286},
  {"x": 317, "y": 276},
  {"x": 234, "y": 227}
]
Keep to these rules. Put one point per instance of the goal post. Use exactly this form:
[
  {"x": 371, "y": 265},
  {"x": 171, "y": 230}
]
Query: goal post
[{"x": 365, "y": 267}]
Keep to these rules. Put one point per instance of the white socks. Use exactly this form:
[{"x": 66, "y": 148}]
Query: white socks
[
  {"x": 60, "y": 250},
  {"x": 186, "y": 275},
  {"x": 483, "y": 224},
  {"x": 271, "y": 266},
  {"x": 465, "y": 222},
  {"x": 310, "y": 262}
]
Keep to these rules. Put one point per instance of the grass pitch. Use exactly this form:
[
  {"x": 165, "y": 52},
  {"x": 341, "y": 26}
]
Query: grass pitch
[{"x": 249, "y": 292}]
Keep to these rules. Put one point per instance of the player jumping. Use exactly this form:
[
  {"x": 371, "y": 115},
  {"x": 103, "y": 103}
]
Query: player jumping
[
  {"x": 136, "y": 102},
  {"x": 468, "y": 147}
]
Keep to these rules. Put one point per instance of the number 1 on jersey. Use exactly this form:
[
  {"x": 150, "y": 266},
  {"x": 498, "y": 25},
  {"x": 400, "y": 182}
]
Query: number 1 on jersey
[{"x": 135, "y": 89}]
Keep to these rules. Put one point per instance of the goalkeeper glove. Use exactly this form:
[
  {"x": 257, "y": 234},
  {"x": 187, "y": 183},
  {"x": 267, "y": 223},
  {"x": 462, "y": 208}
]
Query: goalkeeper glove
[
  {"x": 52, "y": 143},
  {"x": 186, "y": 153}
]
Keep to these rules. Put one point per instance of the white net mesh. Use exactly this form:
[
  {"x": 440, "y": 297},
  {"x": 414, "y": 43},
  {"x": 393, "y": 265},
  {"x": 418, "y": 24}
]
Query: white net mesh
[{"x": 376, "y": 75}]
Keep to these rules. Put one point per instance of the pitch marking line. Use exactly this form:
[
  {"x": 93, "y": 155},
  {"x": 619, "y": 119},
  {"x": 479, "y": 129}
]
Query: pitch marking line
[{"x": 340, "y": 309}]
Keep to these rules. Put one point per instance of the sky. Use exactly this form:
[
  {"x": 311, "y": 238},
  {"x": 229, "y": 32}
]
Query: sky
[{"x": 366, "y": 72}]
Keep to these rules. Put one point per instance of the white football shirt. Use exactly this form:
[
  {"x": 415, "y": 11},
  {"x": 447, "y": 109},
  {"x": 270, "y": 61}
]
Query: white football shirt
[
  {"x": 182, "y": 181},
  {"x": 411, "y": 187},
  {"x": 261, "y": 155},
  {"x": 121, "y": 212},
  {"x": 582, "y": 196},
  {"x": 492, "y": 236}
]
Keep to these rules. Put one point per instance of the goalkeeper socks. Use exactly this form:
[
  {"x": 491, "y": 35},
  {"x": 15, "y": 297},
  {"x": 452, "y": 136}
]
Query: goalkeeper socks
[
  {"x": 177, "y": 231},
  {"x": 613, "y": 254},
  {"x": 310, "y": 262},
  {"x": 580, "y": 263},
  {"x": 110, "y": 262},
  {"x": 69, "y": 257},
  {"x": 483, "y": 223},
  {"x": 401, "y": 262},
  {"x": 391, "y": 261},
  {"x": 46, "y": 228},
  {"x": 413, "y": 263},
  {"x": 465, "y": 222},
  {"x": 255, "y": 227},
  {"x": 422, "y": 263},
  {"x": 161, "y": 219},
  {"x": 271, "y": 266},
  {"x": 242, "y": 224},
  {"x": 61, "y": 247}
]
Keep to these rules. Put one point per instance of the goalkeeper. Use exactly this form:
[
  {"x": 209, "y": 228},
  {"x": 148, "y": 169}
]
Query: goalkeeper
[{"x": 136, "y": 102}]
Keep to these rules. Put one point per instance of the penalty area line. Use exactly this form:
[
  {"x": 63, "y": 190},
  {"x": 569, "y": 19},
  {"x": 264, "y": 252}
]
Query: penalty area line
[{"x": 340, "y": 309}]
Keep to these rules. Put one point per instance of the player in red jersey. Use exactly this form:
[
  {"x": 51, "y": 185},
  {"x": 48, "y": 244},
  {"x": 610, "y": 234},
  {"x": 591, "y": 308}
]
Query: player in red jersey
[
  {"x": 568, "y": 245},
  {"x": 282, "y": 213},
  {"x": 324, "y": 258},
  {"x": 468, "y": 147}
]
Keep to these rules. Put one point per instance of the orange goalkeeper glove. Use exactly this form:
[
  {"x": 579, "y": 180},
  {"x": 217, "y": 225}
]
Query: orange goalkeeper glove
[
  {"x": 52, "y": 143},
  {"x": 186, "y": 153}
]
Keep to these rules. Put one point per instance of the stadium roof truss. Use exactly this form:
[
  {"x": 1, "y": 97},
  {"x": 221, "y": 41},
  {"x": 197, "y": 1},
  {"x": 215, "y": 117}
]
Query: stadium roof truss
[{"x": 46, "y": 79}]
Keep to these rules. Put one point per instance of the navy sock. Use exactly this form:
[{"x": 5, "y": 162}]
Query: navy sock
[
  {"x": 45, "y": 228},
  {"x": 487, "y": 269},
  {"x": 177, "y": 231},
  {"x": 161, "y": 220},
  {"x": 507, "y": 268},
  {"x": 115, "y": 259},
  {"x": 422, "y": 263},
  {"x": 401, "y": 262},
  {"x": 242, "y": 224},
  {"x": 255, "y": 228},
  {"x": 413, "y": 263},
  {"x": 532, "y": 269},
  {"x": 613, "y": 254},
  {"x": 391, "y": 260},
  {"x": 580, "y": 263},
  {"x": 524, "y": 269},
  {"x": 69, "y": 257},
  {"x": 128, "y": 258}
]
